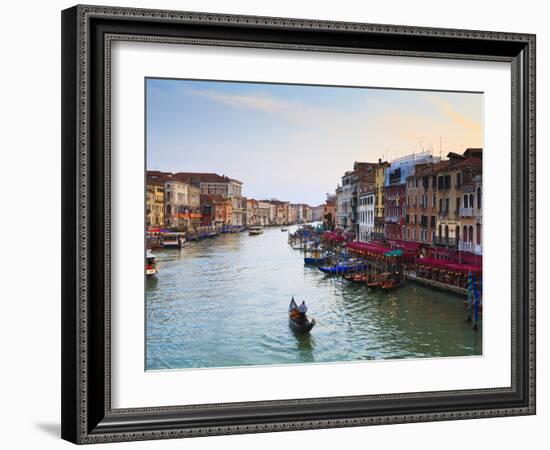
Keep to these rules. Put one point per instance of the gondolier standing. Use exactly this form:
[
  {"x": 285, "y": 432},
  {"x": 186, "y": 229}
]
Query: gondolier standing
[{"x": 302, "y": 309}]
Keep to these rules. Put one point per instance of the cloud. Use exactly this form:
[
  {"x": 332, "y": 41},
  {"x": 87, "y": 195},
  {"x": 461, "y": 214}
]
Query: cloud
[{"x": 458, "y": 118}]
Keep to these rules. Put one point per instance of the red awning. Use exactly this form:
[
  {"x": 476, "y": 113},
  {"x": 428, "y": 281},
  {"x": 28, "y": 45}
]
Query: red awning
[
  {"x": 332, "y": 236},
  {"x": 447, "y": 265},
  {"x": 364, "y": 247}
]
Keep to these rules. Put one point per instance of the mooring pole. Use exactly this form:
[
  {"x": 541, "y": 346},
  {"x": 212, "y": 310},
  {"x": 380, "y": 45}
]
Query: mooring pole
[
  {"x": 470, "y": 294},
  {"x": 476, "y": 305}
]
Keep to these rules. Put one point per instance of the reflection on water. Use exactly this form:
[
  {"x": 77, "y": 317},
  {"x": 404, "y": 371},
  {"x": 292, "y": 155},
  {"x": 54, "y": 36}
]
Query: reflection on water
[{"x": 223, "y": 302}]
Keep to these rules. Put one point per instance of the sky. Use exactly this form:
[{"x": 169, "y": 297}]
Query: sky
[{"x": 294, "y": 142}]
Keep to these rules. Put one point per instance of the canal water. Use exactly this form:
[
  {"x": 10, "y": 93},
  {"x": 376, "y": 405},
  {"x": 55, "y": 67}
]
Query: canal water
[{"x": 223, "y": 302}]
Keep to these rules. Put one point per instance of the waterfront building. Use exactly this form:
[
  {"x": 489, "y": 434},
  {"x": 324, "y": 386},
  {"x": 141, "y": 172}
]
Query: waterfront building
[
  {"x": 421, "y": 201},
  {"x": 215, "y": 210},
  {"x": 263, "y": 213},
  {"x": 317, "y": 213},
  {"x": 380, "y": 172},
  {"x": 366, "y": 213},
  {"x": 155, "y": 204},
  {"x": 307, "y": 212},
  {"x": 362, "y": 173},
  {"x": 341, "y": 213},
  {"x": 176, "y": 203},
  {"x": 214, "y": 184},
  {"x": 459, "y": 194},
  {"x": 281, "y": 212},
  {"x": 294, "y": 211},
  {"x": 329, "y": 213},
  {"x": 395, "y": 187}
]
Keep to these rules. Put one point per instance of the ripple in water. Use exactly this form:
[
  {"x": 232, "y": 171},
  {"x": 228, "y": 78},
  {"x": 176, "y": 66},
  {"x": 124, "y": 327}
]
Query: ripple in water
[{"x": 223, "y": 302}]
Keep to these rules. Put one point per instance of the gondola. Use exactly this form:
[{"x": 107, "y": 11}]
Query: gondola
[
  {"x": 343, "y": 268},
  {"x": 299, "y": 322}
]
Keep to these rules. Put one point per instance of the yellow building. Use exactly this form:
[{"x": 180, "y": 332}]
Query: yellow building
[
  {"x": 380, "y": 173},
  {"x": 155, "y": 204}
]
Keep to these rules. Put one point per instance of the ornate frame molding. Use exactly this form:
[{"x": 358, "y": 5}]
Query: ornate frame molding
[{"x": 80, "y": 423}]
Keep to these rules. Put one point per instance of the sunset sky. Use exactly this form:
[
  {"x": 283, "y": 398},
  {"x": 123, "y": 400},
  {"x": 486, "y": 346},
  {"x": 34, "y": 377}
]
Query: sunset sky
[{"x": 294, "y": 142}]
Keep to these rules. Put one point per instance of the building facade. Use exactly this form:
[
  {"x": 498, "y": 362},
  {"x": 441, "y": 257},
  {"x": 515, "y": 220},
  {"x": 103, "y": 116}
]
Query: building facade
[
  {"x": 395, "y": 183},
  {"x": 459, "y": 202},
  {"x": 154, "y": 205},
  {"x": 366, "y": 213},
  {"x": 379, "y": 188},
  {"x": 421, "y": 201}
]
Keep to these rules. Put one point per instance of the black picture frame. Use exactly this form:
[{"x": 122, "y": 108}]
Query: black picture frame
[{"x": 87, "y": 416}]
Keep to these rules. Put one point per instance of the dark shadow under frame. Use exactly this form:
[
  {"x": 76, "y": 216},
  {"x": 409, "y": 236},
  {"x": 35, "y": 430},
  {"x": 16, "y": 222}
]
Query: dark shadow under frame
[{"x": 87, "y": 33}]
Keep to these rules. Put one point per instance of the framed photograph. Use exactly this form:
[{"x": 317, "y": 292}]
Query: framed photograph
[{"x": 278, "y": 224}]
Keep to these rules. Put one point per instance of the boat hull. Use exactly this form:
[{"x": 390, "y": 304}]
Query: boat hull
[
  {"x": 341, "y": 269},
  {"x": 301, "y": 327},
  {"x": 314, "y": 261}
]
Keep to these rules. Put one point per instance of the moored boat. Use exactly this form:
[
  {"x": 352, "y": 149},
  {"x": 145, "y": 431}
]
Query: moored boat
[
  {"x": 172, "y": 240},
  {"x": 255, "y": 230},
  {"x": 297, "y": 320},
  {"x": 314, "y": 261},
  {"x": 151, "y": 268},
  {"x": 343, "y": 267}
]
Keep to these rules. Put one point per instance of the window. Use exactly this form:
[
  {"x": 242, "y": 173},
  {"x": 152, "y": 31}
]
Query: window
[
  {"x": 457, "y": 204},
  {"x": 458, "y": 180},
  {"x": 433, "y": 200}
]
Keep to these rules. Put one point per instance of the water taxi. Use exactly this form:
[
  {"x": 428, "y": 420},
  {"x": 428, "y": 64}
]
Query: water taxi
[
  {"x": 172, "y": 240},
  {"x": 255, "y": 230},
  {"x": 150, "y": 264}
]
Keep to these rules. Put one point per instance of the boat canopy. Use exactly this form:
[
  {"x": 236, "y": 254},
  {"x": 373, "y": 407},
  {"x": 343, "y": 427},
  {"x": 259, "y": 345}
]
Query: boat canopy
[
  {"x": 449, "y": 266},
  {"x": 333, "y": 236},
  {"x": 370, "y": 248}
]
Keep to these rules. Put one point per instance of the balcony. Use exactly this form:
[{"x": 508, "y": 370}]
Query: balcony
[
  {"x": 466, "y": 212},
  {"x": 393, "y": 219},
  {"x": 470, "y": 247},
  {"x": 447, "y": 241}
]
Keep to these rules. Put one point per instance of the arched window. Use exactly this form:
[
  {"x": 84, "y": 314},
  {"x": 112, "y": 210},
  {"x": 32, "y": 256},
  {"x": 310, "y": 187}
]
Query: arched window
[
  {"x": 471, "y": 236},
  {"x": 439, "y": 230},
  {"x": 478, "y": 234},
  {"x": 446, "y": 231},
  {"x": 457, "y": 233},
  {"x": 465, "y": 234},
  {"x": 478, "y": 198},
  {"x": 471, "y": 200},
  {"x": 465, "y": 201}
]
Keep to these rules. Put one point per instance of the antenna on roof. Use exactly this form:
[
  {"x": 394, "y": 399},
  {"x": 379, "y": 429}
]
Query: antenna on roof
[{"x": 440, "y": 146}]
